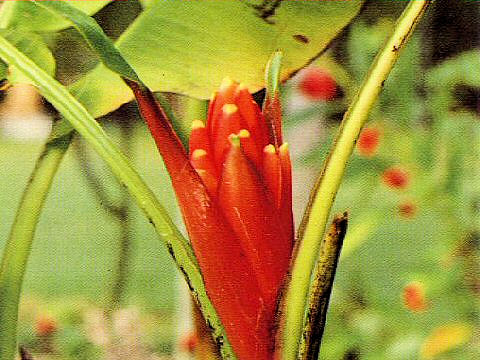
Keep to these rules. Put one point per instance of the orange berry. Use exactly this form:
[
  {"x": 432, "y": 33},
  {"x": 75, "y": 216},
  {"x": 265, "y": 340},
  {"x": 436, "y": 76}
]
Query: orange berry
[
  {"x": 407, "y": 209},
  {"x": 414, "y": 296},
  {"x": 45, "y": 325},
  {"x": 317, "y": 84},
  {"x": 396, "y": 178},
  {"x": 368, "y": 142}
]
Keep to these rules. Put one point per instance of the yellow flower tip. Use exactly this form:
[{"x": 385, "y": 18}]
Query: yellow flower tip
[
  {"x": 244, "y": 133},
  {"x": 269, "y": 149},
  {"x": 229, "y": 109},
  {"x": 198, "y": 153},
  {"x": 284, "y": 148},
  {"x": 226, "y": 82},
  {"x": 197, "y": 124},
  {"x": 213, "y": 96}
]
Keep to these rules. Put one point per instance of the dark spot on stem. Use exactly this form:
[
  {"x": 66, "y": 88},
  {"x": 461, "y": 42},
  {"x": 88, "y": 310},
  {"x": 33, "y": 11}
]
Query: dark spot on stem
[{"x": 171, "y": 252}]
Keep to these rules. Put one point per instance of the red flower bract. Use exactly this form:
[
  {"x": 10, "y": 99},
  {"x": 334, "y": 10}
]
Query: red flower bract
[{"x": 234, "y": 190}]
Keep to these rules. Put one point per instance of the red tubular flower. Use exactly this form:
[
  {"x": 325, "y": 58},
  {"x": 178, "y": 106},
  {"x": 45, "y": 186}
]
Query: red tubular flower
[{"x": 234, "y": 190}]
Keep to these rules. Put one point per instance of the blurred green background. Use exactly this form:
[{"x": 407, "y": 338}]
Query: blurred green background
[{"x": 427, "y": 123}]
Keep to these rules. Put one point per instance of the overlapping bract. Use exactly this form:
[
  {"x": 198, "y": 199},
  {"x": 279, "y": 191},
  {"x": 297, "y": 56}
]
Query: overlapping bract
[
  {"x": 250, "y": 179},
  {"x": 234, "y": 190}
]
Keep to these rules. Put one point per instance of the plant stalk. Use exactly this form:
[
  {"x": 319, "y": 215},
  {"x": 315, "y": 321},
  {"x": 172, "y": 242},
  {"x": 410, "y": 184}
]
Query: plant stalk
[
  {"x": 322, "y": 288},
  {"x": 19, "y": 243},
  {"x": 313, "y": 225}
]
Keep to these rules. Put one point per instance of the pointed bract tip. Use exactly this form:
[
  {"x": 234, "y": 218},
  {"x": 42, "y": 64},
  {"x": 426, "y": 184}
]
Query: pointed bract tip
[
  {"x": 198, "y": 153},
  {"x": 213, "y": 96},
  {"x": 226, "y": 82},
  {"x": 244, "y": 133},
  {"x": 270, "y": 149},
  {"x": 229, "y": 109},
  {"x": 197, "y": 124},
  {"x": 284, "y": 148}
]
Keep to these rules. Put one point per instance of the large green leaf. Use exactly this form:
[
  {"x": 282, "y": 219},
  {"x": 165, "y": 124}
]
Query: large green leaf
[
  {"x": 34, "y": 47},
  {"x": 28, "y": 15},
  {"x": 188, "y": 47}
]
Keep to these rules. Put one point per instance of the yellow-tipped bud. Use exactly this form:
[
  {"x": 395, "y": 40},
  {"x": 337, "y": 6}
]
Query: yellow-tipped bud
[
  {"x": 226, "y": 82},
  {"x": 198, "y": 153},
  {"x": 270, "y": 149},
  {"x": 244, "y": 133},
  {"x": 283, "y": 148},
  {"x": 197, "y": 124},
  {"x": 229, "y": 109}
]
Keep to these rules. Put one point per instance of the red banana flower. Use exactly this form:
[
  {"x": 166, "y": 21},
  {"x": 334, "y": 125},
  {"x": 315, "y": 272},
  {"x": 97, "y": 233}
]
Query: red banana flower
[{"x": 234, "y": 191}]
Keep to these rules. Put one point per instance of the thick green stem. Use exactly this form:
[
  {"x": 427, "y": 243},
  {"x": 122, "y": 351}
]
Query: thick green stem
[
  {"x": 17, "y": 248},
  {"x": 313, "y": 227}
]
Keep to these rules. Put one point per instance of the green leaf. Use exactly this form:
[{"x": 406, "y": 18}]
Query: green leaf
[
  {"x": 173, "y": 42},
  {"x": 27, "y": 14},
  {"x": 183, "y": 47},
  {"x": 34, "y": 47},
  {"x": 86, "y": 125}
]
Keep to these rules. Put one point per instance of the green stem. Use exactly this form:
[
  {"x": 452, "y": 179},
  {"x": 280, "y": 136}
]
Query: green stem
[
  {"x": 17, "y": 248},
  {"x": 85, "y": 124},
  {"x": 314, "y": 223}
]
